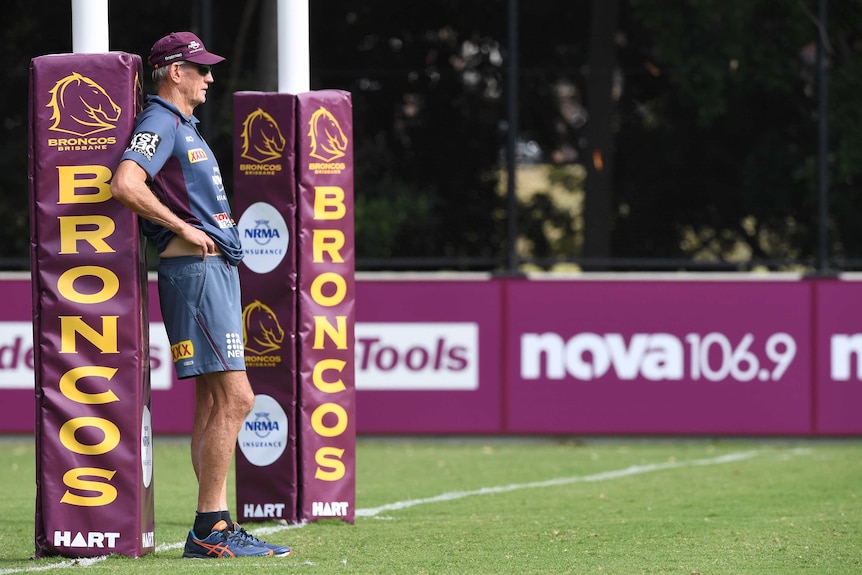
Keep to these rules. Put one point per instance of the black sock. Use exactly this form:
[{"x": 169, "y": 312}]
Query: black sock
[{"x": 204, "y": 523}]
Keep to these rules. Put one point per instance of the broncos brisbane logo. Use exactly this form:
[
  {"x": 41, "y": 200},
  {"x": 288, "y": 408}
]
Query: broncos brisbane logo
[
  {"x": 261, "y": 331},
  {"x": 328, "y": 141},
  {"x": 81, "y": 107},
  {"x": 262, "y": 140}
]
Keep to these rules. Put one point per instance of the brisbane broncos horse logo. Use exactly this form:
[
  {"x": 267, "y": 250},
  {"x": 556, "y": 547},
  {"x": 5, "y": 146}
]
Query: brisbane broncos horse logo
[
  {"x": 81, "y": 106},
  {"x": 261, "y": 331},
  {"x": 262, "y": 140},
  {"x": 328, "y": 141}
]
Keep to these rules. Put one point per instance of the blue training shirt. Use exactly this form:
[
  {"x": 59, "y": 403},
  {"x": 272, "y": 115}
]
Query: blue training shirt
[{"x": 184, "y": 175}]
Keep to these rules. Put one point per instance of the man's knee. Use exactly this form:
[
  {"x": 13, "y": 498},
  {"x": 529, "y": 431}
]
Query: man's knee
[
  {"x": 244, "y": 401},
  {"x": 240, "y": 393},
  {"x": 232, "y": 391}
]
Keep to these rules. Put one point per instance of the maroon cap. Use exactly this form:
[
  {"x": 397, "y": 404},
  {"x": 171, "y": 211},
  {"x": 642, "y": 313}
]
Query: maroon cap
[{"x": 181, "y": 46}]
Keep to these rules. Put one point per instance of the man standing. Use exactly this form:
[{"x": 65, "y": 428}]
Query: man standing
[{"x": 169, "y": 176}]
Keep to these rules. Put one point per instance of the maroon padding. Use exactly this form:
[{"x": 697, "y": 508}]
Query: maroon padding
[
  {"x": 265, "y": 208},
  {"x": 93, "y": 443},
  {"x": 327, "y": 393}
]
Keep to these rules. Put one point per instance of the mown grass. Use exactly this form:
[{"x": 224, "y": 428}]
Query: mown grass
[{"x": 523, "y": 506}]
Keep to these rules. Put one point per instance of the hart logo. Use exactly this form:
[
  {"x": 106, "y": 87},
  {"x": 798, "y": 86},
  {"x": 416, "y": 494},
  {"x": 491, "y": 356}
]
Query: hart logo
[
  {"x": 88, "y": 540},
  {"x": 261, "y": 331},
  {"x": 328, "y": 142},
  {"x": 272, "y": 510},
  {"x": 329, "y": 508},
  {"x": 81, "y": 107}
]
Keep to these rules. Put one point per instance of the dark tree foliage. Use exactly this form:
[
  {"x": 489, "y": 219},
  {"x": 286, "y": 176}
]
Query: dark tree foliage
[
  {"x": 713, "y": 120},
  {"x": 717, "y": 135},
  {"x": 426, "y": 80}
]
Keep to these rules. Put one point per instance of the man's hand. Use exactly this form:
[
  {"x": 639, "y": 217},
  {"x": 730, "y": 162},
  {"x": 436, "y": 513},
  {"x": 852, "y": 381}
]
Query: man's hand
[
  {"x": 129, "y": 186},
  {"x": 198, "y": 238}
]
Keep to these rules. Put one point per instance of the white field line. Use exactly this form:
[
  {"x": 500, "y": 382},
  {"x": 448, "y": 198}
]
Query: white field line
[
  {"x": 604, "y": 475},
  {"x": 451, "y": 496}
]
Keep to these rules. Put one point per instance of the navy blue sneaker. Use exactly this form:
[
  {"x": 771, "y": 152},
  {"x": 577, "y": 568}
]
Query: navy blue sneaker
[
  {"x": 222, "y": 543},
  {"x": 277, "y": 550}
]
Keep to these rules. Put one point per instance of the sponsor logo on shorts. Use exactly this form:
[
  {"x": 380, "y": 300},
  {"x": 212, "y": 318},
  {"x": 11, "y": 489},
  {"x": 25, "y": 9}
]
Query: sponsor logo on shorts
[
  {"x": 183, "y": 350},
  {"x": 145, "y": 143},
  {"x": 197, "y": 155},
  {"x": 233, "y": 342}
]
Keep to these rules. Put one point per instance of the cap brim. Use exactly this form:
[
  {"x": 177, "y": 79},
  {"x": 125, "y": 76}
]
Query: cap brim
[{"x": 205, "y": 58}]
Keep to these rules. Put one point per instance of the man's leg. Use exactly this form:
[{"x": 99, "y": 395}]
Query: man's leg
[
  {"x": 223, "y": 400},
  {"x": 203, "y": 406}
]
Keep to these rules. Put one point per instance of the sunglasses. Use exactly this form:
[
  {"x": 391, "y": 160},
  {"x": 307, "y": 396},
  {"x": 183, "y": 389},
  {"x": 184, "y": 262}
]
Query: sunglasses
[{"x": 203, "y": 69}]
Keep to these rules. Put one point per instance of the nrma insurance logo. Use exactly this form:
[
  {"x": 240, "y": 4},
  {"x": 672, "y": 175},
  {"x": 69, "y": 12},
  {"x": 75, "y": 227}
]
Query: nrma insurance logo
[
  {"x": 263, "y": 436},
  {"x": 264, "y": 237}
]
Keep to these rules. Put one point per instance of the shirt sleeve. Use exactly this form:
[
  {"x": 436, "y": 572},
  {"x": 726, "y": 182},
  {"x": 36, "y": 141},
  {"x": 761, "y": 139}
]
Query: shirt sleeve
[{"x": 152, "y": 142}]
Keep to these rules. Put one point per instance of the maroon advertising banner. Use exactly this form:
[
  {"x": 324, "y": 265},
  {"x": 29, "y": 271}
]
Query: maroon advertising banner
[
  {"x": 94, "y": 489},
  {"x": 652, "y": 357},
  {"x": 839, "y": 351},
  {"x": 265, "y": 199},
  {"x": 327, "y": 396},
  {"x": 428, "y": 355}
]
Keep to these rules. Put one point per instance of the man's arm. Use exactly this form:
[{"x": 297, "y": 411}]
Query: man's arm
[{"x": 129, "y": 186}]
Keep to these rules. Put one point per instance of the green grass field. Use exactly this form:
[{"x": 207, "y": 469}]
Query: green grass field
[{"x": 522, "y": 506}]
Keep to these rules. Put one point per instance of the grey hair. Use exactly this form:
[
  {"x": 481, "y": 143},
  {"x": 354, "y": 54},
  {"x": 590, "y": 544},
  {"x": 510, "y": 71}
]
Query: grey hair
[{"x": 161, "y": 74}]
